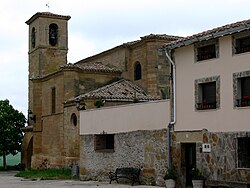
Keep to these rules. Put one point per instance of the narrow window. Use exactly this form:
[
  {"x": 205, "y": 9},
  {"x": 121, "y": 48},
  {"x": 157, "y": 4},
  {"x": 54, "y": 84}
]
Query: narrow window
[
  {"x": 53, "y": 34},
  {"x": 53, "y": 100},
  {"x": 244, "y": 152},
  {"x": 207, "y": 96},
  {"x": 104, "y": 142},
  {"x": 73, "y": 119},
  {"x": 33, "y": 38},
  {"x": 242, "y": 45},
  {"x": 137, "y": 71},
  {"x": 244, "y": 92},
  {"x": 206, "y": 52}
]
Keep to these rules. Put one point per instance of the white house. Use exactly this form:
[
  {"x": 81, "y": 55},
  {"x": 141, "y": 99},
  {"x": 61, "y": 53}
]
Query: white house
[{"x": 212, "y": 99}]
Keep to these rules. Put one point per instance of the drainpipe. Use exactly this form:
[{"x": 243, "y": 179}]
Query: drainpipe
[{"x": 172, "y": 122}]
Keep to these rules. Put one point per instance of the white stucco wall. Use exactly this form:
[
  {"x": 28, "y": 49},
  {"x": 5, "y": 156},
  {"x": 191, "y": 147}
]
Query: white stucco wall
[
  {"x": 227, "y": 117},
  {"x": 117, "y": 119}
]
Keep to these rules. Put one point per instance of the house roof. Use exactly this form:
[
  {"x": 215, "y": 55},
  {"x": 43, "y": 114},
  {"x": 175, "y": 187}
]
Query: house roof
[
  {"x": 210, "y": 34},
  {"x": 92, "y": 67},
  {"x": 122, "y": 90}
]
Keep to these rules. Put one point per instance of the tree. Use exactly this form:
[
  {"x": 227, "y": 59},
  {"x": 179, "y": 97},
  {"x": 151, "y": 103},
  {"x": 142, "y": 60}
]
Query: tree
[{"x": 11, "y": 136}]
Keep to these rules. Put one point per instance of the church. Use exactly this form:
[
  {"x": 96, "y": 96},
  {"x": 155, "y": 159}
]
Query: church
[
  {"x": 129, "y": 73},
  {"x": 85, "y": 113}
]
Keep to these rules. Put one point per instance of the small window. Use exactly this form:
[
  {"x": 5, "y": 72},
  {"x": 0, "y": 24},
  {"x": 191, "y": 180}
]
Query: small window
[
  {"x": 207, "y": 95},
  {"x": 73, "y": 119},
  {"x": 244, "y": 152},
  {"x": 53, "y": 34},
  {"x": 243, "y": 92},
  {"x": 104, "y": 142},
  {"x": 137, "y": 71},
  {"x": 33, "y": 38},
  {"x": 53, "y": 100},
  {"x": 242, "y": 45},
  {"x": 206, "y": 52}
]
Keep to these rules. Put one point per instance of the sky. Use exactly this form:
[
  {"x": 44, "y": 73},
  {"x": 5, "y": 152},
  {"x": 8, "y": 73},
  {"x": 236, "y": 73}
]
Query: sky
[{"x": 98, "y": 25}]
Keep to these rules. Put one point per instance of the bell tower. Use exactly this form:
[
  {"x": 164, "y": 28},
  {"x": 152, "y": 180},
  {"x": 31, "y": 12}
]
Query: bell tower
[
  {"x": 48, "y": 48},
  {"x": 48, "y": 43}
]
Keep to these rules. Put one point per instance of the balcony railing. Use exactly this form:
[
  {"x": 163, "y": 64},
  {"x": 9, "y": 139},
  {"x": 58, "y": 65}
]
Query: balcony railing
[
  {"x": 206, "y": 105},
  {"x": 243, "y": 102},
  {"x": 205, "y": 56},
  {"x": 242, "y": 49}
]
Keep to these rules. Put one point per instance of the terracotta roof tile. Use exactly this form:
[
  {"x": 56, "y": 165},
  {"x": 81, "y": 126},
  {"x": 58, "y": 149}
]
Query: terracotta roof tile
[
  {"x": 121, "y": 90},
  {"x": 161, "y": 36},
  {"x": 210, "y": 34},
  {"x": 46, "y": 15},
  {"x": 92, "y": 67}
]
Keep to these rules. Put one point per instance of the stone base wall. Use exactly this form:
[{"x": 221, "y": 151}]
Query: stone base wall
[
  {"x": 141, "y": 149},
  {"x": 219, "y": 166},
  {"x": 221, "y": 163}
]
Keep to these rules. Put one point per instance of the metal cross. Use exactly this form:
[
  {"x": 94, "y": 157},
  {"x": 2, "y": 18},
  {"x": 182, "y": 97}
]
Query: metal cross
[{"x": 47, "y": 5}]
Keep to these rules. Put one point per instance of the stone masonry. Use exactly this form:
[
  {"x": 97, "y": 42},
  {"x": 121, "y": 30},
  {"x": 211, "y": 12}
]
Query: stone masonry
[
  {"x": 141, "y": 149},
  {"x": 219, "y": 166}
]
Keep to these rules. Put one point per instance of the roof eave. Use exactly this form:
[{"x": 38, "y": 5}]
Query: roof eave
[
  {"x": 46, "y": 15},
  {"x": 196, "y": 38}
]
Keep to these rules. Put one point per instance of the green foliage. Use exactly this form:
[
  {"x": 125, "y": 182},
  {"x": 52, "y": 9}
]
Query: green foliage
[
  {"x": 136, "y": 100},
  {"x": 196, "y": 174},
  {"x": 11, "y": 136},
  {"x": 46, "y": 174},
  {"x": 171, "y": 174},
  {"x": 99, "y": 103}
]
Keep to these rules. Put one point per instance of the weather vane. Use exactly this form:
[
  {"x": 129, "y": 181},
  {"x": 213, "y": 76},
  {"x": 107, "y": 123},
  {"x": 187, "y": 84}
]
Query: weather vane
[{"x": 47, "y": 5}]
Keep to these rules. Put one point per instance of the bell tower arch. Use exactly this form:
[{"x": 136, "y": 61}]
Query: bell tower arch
[{"x": 48, "y": 43}]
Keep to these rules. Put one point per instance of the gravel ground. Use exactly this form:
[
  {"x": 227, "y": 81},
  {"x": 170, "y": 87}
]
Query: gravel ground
[{"x": 8, "y": 180}]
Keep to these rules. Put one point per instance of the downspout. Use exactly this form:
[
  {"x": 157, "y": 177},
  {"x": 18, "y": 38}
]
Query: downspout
[{"x": 173, "y": 121}]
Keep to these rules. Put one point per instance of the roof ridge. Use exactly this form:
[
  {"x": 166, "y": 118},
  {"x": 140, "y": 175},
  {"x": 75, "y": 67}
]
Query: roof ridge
[{"x": 127, "y": 91}]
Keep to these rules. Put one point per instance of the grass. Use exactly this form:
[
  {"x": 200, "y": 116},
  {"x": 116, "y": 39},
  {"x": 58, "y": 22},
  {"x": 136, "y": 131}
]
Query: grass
[{"x": 46, "y": 174}]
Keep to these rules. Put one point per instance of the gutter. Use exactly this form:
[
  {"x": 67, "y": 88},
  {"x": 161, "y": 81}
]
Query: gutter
[{"x": 173, "y": 121}]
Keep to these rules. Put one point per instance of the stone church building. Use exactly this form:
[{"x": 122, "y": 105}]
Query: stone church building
[{"x": 131, "y": 72}]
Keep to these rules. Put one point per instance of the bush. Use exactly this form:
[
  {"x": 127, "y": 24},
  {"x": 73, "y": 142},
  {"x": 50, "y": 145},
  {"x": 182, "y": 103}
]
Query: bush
[
  {"x": 196, "y": 174},
  {"x": 171, "y": 174}
]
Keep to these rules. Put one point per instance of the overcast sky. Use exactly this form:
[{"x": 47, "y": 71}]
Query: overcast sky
[{"x": 98, "y": 25}]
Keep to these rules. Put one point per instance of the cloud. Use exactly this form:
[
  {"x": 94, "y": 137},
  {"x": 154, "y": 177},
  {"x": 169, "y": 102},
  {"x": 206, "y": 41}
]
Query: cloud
[{"x": 98, "y": 25}]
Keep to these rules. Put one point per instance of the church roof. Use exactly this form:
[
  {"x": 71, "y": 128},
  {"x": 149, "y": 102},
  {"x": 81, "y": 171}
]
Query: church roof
[
  {"x": 46, "y": 15},
  {"x": 161, "y": 36},
  {"x": 210, "y": 34},
  {"x": 92, "y": 67},
  {"x": 130, "y": 44},
  {"x": 122, "y": 90}
]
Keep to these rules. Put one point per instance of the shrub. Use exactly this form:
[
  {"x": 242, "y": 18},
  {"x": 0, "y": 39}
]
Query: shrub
[
  {"x": 170, "y": 174},
  {"x": 196, "y": 174}
]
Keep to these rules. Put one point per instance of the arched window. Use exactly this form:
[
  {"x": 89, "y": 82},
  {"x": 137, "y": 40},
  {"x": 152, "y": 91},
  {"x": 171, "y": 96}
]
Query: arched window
[
  {"x": 73, "y": 119},
  {"x": 137, "y": 71},
  {"x": 33, "y": 37},
  {"x": 53, "y": 34}
]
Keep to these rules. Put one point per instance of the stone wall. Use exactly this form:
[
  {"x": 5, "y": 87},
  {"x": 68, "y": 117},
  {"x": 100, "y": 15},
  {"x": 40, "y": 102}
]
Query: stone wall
[
  {"x": 155, "y": 69},
  {"x": 141, "y": 149},
  {"x": 219, "y": 166}
]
